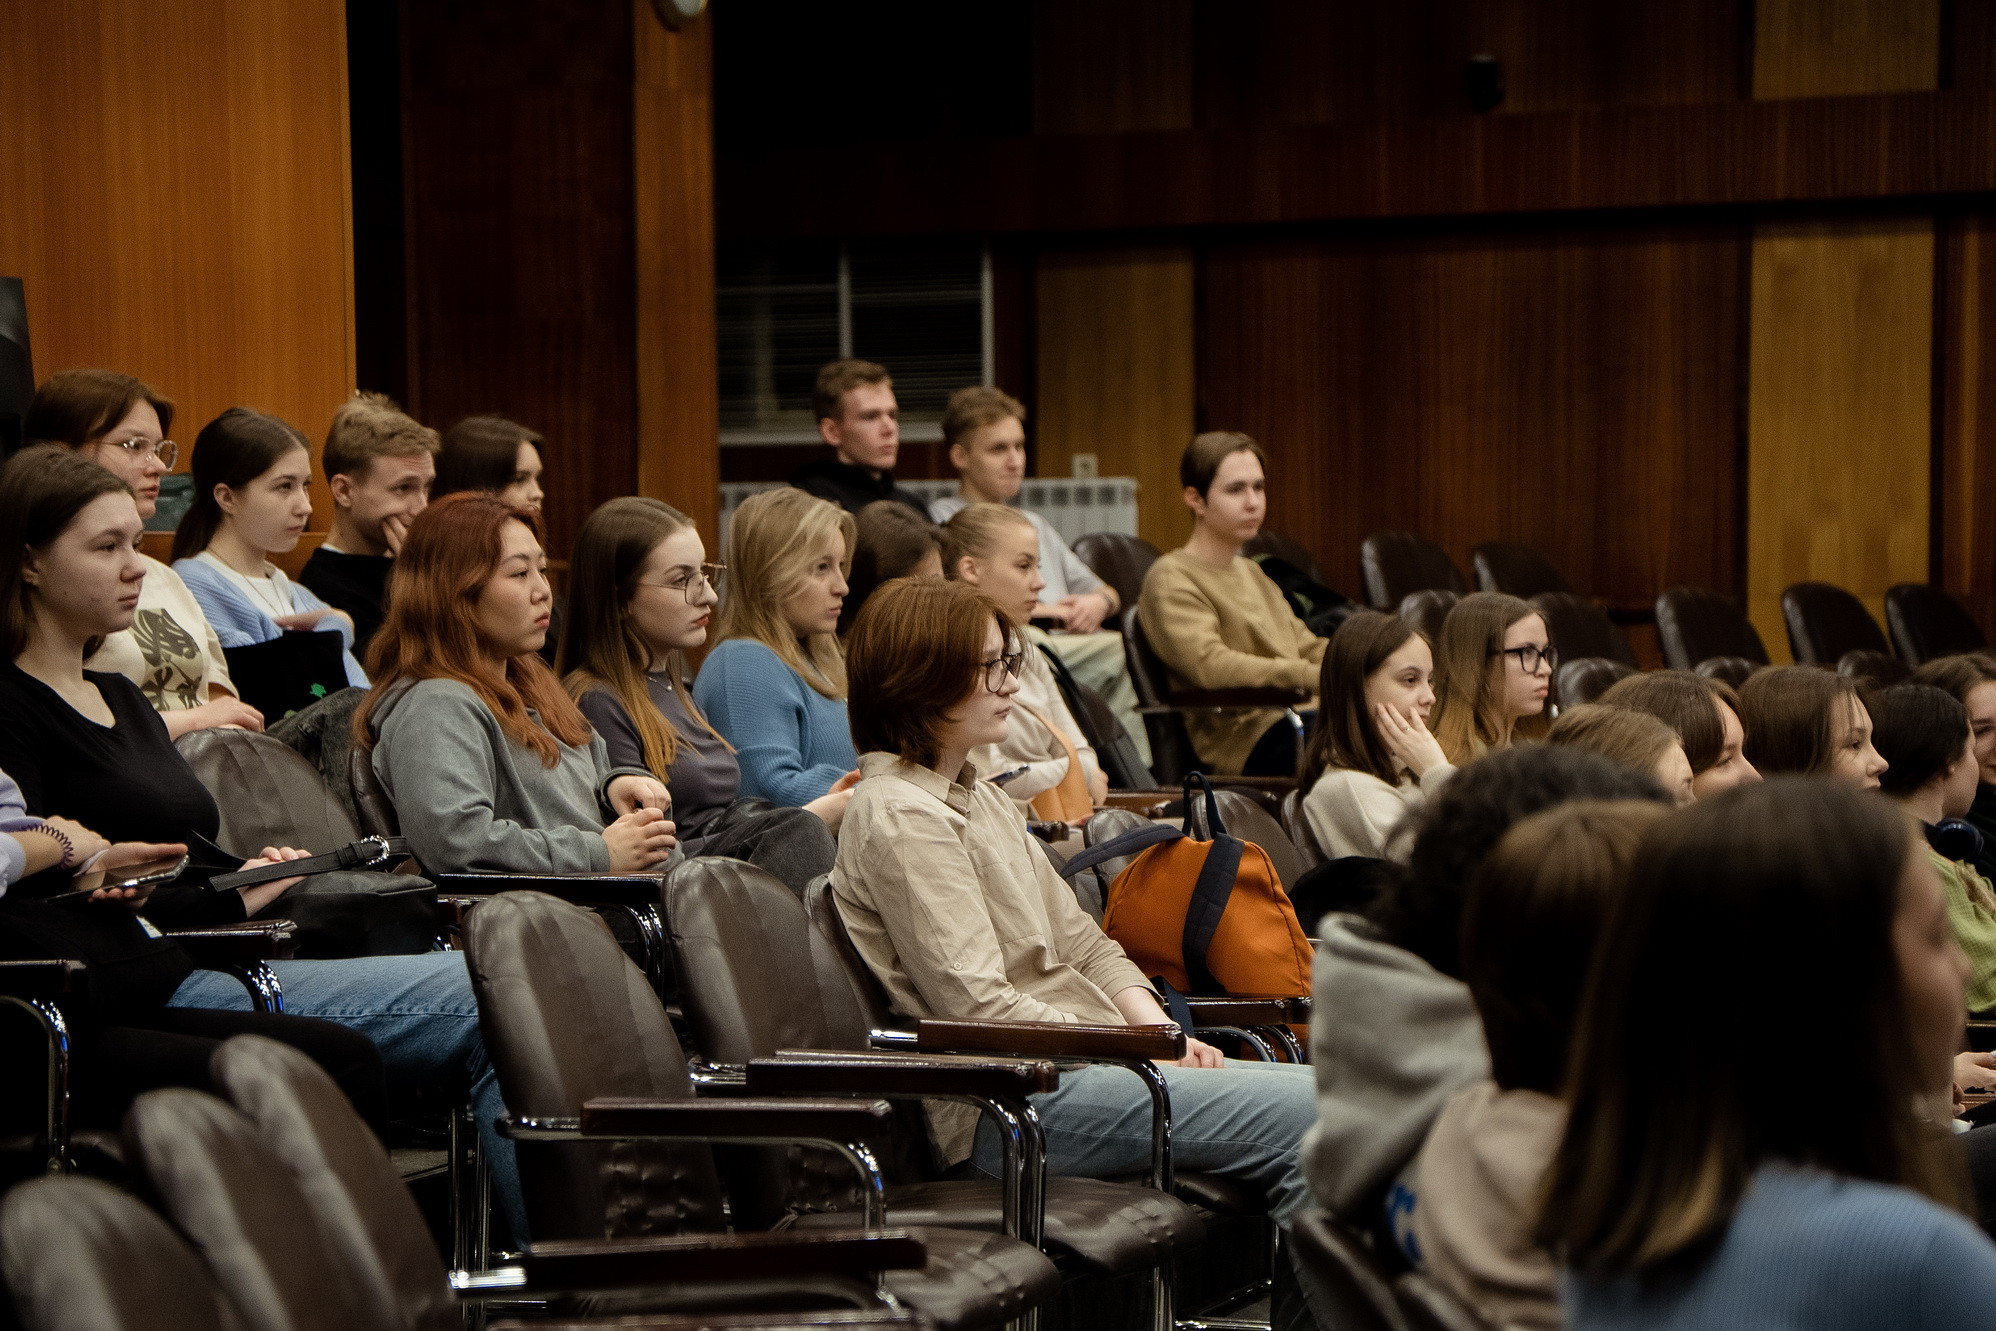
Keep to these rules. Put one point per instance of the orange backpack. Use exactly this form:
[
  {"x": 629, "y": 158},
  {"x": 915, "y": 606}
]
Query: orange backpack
[{"x": 1206, "y": 918}]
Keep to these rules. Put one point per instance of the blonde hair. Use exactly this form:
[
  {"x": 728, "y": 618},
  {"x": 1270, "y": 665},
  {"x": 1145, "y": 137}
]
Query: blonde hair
[
  {"x": 971, "y": 409},
  {"x": 772, "y": 540},
  {"x": 1625, "y": 737},
  {"x": 1466, "y": 704},
  {"x": 368, "y": 426},
  {"x": 973, "y": 529}
]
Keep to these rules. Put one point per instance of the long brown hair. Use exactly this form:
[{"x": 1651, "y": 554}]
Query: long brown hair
[
  {"x": 1624, "y": 736},
  {"x": 42, "y": 489},
  {"x": 598, "y": 646},
  {"x": 430, "y": 632},
  {"x": 772, "y": 539},
  {"x": 1736, "y": 905},
  {"x": 1790, "y": 717},
  {"x": 1682, "y": 701},
  {"x": 233, "y": 449},
  {"x": 913, "y": 657},
  {"x": 481, "y": 454},
  {"x": 1466, "y": 654},
  {"x": 1347, "y": 737},
  {"x": 77, "y": 407}
]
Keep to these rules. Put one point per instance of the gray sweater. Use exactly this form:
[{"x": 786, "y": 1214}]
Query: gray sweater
[{"x": 470, "y": 799}]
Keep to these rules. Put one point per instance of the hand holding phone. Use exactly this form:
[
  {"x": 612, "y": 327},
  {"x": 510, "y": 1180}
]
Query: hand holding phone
[{"x": 127, "y": 872}]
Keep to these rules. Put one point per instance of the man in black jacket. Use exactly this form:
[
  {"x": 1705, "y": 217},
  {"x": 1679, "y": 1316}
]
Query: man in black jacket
[{"x": 859, "y": 418}]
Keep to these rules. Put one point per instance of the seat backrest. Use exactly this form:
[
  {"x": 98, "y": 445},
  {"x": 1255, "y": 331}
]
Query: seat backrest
[
  {"x": 567, "y": 1017},
  {"x": 1428, "y": 1305},
  {"x": 1587, "y": 678},
  {"x": 1355, "y": 1292},
  {"x": 268, "y": 795},
  {"x": 1734, "y": 670},
  {"x": 1394, "y": 563},
  {"x": 1581, "y": 628},
  {"x": 241, "y": 1209},
  {"x": 369, "y": 797},
  {"x": 1293, "y": 553},
  {"x": 823, "y": 910},
  {"x": 1426, "y": 609},
  {"x": 1694, "y": 624},
  {"x": 371, "y": 1223},
  {"x": 1171, "y": 751},
  {"x": 1927, "y": 623},
  {"x": 79, "y": 1255},
  {"x": 1120, "y": 762},
  {"x": 1298, "y": 828},
  {"x": 1119, "y": 560},
  {"x": 1825, "y": 621},
  {"x": 1516, "y": 570},
  {"x": 1878, "y": 670},
  {"x": 322, "y": 735},
  {"x": 1245, "y": 818}
]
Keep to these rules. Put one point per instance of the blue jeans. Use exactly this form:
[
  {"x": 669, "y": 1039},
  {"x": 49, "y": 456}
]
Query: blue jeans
[{"x": 420, "y": 1012}]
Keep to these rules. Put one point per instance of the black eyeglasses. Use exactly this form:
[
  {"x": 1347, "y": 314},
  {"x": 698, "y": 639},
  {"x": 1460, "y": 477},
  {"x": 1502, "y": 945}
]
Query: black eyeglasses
[
  {"x": 996, "y": 671},
  {"x": 1530, "y": 657},
  {"x": 707, "y": 579}
]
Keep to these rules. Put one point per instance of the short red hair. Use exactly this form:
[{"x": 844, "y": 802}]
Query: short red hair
[
  {"x": 911, "y": 657},
  {"x": 430, "y": 633}
]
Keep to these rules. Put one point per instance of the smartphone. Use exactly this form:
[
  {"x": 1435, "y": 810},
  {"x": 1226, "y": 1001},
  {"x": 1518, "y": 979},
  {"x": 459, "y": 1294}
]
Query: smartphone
[{"x": 143, "y": 874}]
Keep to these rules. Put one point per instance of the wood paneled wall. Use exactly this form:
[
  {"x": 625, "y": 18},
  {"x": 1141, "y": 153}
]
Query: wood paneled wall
[{"x": 177, "y": 201}]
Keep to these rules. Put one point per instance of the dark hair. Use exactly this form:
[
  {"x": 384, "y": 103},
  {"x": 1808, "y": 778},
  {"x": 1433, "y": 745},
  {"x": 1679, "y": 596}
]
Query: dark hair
[
  {"x": 481, "y": 453},
  {"x": 75, "y": 407},
  {"x": 1790, "y": 717},
  {"x": 1919, "y": 731},
  {"x": 1958, "y": 673},
  {"x": 839, "y": 377},
  {"x": 1530, "y": 920},
  {"x": 1421, "y": 908},
  {"x": 911, "y": 658},
  {"x": 890, "y": 540},
  {"x": 1200, "y": 462},
  {"x": 1682, "y": 701},
  {"x": 1682, "y": 1080},
  {"x": 1347, "y": 737},
  {"x": 233, "y": 449},
  {"x": 42, "y": 489}
]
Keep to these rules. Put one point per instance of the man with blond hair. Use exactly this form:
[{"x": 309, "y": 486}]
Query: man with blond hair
[
  {"x": 379, "y": 464},
  {"x": 859, "y": 417}
]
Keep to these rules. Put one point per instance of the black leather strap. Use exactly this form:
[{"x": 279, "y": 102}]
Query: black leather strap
[{"x": 362, "y": 854}]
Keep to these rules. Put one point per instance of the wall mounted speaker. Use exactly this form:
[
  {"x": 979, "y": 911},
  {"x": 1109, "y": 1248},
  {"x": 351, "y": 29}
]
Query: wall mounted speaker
[{"x": 1484, "y": 80}]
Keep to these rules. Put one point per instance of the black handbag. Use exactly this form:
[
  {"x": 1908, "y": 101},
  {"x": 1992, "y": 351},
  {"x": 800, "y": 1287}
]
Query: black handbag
[
  {"x": 290, "y": 672},
  {"x": 343, "y": 908}
]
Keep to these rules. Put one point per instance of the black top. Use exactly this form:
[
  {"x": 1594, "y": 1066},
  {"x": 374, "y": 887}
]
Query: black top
[
  {"x": 705, "y": 778},
  {"x": 853, "y": 488},
  {"x": 126, "y": 781},
  {"x": 357, "y": 584}
]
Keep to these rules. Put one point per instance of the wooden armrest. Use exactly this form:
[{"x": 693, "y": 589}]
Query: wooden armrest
[
  {"x": 41, "y": 979},
  {"x": 1144, "y": 803},
  {"x": 238, "y": 944},
  {"x": 584, "y": 1264},
  {"x": 607, "y": 889},
  {"x": 1225, "y": 698},
  {"x": 1051, "y": 1039},
  {"x": 1235, "y": 1011},
  {"x": 813, "y": 1072},
  {"x": 794, "y": 1120}
]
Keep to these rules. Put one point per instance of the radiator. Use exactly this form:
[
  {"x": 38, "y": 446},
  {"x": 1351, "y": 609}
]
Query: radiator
[{"x": 1075, "y": 508}]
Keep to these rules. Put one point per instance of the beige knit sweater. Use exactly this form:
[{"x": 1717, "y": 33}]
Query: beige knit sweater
[{"x": 1226, "y": 628}]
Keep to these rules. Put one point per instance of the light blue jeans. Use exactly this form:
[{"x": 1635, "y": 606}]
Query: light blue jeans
[{"x": 420, "y": 1012}]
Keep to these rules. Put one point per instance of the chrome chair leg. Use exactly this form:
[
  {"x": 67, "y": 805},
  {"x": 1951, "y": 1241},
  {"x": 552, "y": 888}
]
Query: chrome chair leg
[{"x": 55, "y": 1128}]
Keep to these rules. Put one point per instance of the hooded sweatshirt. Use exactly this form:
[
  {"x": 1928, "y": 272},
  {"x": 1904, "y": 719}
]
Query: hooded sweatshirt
[{"x": 1393, "y": 1038}]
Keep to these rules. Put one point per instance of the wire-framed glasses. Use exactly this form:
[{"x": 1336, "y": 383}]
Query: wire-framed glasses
[
  {"x": 693, "y": 585},
  {"x": 138, "y": 450}
]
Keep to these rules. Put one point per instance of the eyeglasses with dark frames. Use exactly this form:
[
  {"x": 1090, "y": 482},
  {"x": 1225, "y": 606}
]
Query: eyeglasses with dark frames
[
  {"x": 996, "y": 670},
  {"x": 1531, "y": 656}
]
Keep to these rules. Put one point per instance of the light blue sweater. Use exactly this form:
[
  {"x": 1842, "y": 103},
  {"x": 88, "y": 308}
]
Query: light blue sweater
[
  {"x": 792, "y": 742},
  {"x": 1809, "y": 1250},
  {"x": 241, "y": 622}
]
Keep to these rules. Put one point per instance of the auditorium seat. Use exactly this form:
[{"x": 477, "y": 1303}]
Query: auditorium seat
[
  {"x": 1119, "y": 560},
  {"x": 1825, "y": 621},
  {"x": 1694, "y": 624},
  {"x": 1245, "y": 818},
  {"x": 1733, "y": 670},
  {"x": 1586, "y": 679},
  {"x": 1927, "y": 623},
  {"x": 1355, "y": 1290},
  {"x": 1427, "y": 608},
  {"x": 1515, "y": 570},
  {"x": 1394, "y": 563},
  {"x": 1580, "y": 628},
  {"x": 1298, "y": 828},
  {"x": 1877, "y": 670},
  {"x": 1164, "y": 708},
  {"x": 1292, "y": 553}
]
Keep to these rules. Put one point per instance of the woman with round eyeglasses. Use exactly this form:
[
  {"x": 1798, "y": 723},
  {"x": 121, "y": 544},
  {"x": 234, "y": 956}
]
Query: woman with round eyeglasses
[
  {"x": 170, "y": 651},
  {"x": 642, "y": 593},
  {"x": 1493, "y": 666}
]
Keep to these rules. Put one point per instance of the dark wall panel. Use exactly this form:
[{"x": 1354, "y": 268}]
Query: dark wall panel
[{"x": 1576, "y": 391}]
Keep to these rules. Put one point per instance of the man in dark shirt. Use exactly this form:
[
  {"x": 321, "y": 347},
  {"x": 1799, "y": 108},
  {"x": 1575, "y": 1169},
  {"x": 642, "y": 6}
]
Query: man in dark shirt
[
  {"x": 379, "y": 464},
  {"x": 859, "y": 418}
]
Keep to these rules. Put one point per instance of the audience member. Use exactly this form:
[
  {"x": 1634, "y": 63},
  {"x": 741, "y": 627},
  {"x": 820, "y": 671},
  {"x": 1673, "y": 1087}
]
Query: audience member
[
  {"x": 170, "y": 651},
  {"x": 1407, "y": 1037},
  {"x": 1691, "y": 1186},
  {"x": 491, "y": 455},
  {"x": 853, "y": 402},
  {"x": 1493, "y": 666},
  {"x": 379, "y": 465},
  {"x": 1971, "y": 678},
  {"x": 643, "y": 592},
  {"x": 1372, "y": 760},
  {"x": 1704, "y": 714},
  {"x": 1044, "y": 762},
  {"x": 84, "y": 746},
  {"x": 1217, "y": 622},
  {"x": 489, "y": 765},
  {"x": 775, "y": 686},
  {"x": 1627, "y": 738},
  {"x": 960, "y": 916},
  {"x": 1809, "y": 722},
  {"x": 252, "y": 499},
  {"x": 1530, "y": 923},
  {"x": 985, "y": 432},
  {"x": 889, "y": 542}
]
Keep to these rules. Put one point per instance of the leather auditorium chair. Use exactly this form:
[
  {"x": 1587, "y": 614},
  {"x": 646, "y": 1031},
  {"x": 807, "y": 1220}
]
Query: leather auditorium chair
[
  {"x": 1927, "y": 623},
  {"x": 1393, "y": 563},
  {"x": 1427, "y": 609},
  {"x": 1694, "y": 624},
  {"x": 1515, "y": 570},
  {"x": 1825, "y": 621}
]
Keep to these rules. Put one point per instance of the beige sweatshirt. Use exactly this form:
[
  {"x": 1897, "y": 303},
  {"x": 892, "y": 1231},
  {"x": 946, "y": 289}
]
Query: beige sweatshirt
[{"x": 1226, "y": 628}]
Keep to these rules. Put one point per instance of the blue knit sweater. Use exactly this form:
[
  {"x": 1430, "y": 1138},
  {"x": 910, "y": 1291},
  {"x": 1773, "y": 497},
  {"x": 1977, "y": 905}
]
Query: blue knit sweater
[
  {"x": 240, "y": 622},
  {"x": 792, "y": 742},
  {"x": 1810, "y": 1250}
]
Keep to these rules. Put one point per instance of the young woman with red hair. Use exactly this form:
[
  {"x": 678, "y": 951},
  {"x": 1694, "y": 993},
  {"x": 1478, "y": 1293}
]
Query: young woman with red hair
[{"x": 488, "y": 762}]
